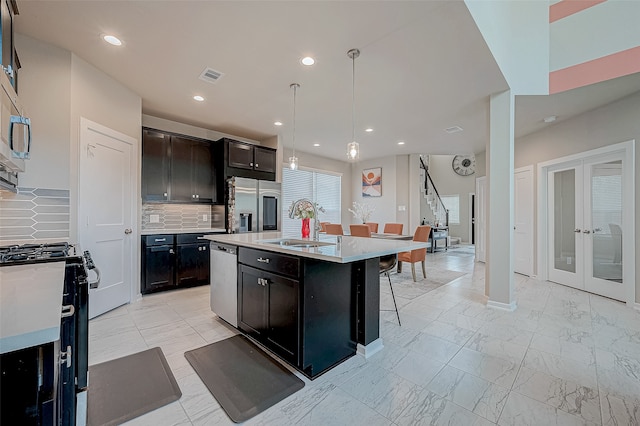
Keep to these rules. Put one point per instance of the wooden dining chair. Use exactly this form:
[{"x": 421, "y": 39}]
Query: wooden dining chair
[
  {"x": 360, "y": 230},
  {"x": 393, "y": 228},
  {"x": 417, "y": 255},
  {"x": 334, "y": 229},
  {"x": 373, "y": 226},
  {"x": 323, "y": 226}
]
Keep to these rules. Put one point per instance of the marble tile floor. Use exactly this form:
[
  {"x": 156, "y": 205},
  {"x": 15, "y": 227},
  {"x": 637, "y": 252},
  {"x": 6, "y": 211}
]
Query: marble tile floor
[{"x": 564, "y": 357}]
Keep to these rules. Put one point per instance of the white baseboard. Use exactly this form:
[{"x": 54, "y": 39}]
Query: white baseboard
[
  {"x": 372, "y": 348},
  {"x": 502, "y": 306},
  {"x": 637, "y": 306}
]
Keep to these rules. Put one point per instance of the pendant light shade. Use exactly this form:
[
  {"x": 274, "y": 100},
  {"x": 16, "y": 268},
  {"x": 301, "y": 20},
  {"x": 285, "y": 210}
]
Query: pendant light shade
[
  {"x": 353, "y": 148},
  {"x": 293, "y": 160}
]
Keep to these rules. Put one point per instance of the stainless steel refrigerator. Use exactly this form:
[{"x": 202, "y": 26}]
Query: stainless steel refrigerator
[{"x": 253, "y": 205}]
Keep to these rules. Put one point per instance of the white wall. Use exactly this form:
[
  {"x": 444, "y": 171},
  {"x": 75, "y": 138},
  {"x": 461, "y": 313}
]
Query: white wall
[
  {"x": 386, "y": 205},
  {"x": 197, "y": 132},
  {"x": 45, "y": 90},
  {"x": 101, "y": 99},
  {"x": 517, "y": 33}
]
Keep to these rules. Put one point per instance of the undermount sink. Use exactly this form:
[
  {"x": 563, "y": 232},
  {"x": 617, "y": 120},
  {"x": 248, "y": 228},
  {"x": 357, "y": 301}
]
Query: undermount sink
[{"x": 292, "y": 242}]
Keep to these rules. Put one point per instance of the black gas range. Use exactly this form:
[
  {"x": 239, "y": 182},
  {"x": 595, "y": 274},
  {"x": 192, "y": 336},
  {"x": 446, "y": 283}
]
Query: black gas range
[{"x": 46, "y": 384}]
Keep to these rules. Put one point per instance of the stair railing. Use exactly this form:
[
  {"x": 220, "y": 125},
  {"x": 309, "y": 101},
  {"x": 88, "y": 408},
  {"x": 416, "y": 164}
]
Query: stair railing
[{"x": 427, "y": 181}]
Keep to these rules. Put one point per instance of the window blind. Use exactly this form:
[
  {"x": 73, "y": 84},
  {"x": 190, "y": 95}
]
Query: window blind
[{"x": 323, "y": 188}]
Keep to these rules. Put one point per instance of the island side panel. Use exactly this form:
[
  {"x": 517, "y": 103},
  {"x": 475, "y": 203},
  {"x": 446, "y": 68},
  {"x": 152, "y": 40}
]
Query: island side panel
[
  {"x": 328, "y": 315},
  {"x": 366, "y": 277}
]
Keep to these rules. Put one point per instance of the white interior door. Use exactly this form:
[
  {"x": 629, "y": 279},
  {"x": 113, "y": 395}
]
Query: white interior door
[
  {"x": 523, "y": 221},
  {"x": 586, "y": 226},
  {"x": 481, "y": 214},
  {"x": 107, "y": 215}
]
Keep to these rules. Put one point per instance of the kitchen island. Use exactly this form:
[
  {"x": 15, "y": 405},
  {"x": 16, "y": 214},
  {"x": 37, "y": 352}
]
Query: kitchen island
[{"x": 313, "y": 303}]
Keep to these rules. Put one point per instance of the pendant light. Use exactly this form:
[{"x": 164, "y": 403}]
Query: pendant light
[
  {"x": 353, "y": 148},
  {"x": 293, "y": 160}
]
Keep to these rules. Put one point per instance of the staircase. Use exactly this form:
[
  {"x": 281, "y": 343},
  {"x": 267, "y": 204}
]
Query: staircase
[{"x": 430, "y": 193}]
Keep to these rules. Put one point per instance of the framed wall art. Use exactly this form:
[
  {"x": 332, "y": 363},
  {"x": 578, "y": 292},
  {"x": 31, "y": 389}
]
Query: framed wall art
[{"x": 372, "y": 182}]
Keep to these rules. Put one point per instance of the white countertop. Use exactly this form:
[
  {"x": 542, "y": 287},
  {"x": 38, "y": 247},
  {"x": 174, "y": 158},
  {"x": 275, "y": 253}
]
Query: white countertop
[
  {"x": 181, "y": 231},
  {"x": 350, "y": 250},
  {"x": 30, "y": 304}
]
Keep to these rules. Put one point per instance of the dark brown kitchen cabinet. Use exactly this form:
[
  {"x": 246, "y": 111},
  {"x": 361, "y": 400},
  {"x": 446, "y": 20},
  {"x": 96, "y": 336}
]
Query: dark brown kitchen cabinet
[
  {"x": 243, "y": 159},
  {"x": 192, "y": 260},
  {"x": 269, "y": 310},
  {"x": 10, "y": 62},
  {"x": 177, "y": 168},
  {"x": 156, "y": 167},
  {"x": 172, "y": 261}
]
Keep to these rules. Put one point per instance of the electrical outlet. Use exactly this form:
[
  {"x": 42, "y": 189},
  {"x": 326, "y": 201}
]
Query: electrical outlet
[
  {"x": 154, "y": 218},
  {"x": 204, "y": 217}
]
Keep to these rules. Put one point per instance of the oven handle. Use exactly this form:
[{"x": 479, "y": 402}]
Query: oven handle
[
  {"x": 68, "y": 311},
  {"x": 96, "y": 283}
]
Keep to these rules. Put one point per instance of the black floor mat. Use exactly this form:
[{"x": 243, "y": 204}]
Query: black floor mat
[
  {"x": 127, "y": 387},
  {"x": 242, "y": 378}
]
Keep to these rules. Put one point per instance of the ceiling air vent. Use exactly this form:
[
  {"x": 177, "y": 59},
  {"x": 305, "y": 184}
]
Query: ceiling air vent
[
  {"x": 454, "y": 129},
  {"x": 210, "y": 75}
]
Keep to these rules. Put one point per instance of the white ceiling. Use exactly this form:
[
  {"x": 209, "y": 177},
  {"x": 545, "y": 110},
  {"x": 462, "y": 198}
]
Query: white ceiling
[{"x": 424, "y": 67}]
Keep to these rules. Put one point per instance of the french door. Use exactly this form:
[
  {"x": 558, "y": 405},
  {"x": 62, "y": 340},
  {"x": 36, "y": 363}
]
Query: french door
[{"x": 585, "y": 224}]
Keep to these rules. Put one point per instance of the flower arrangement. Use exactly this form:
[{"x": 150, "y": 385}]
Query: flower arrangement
[
  {"x": 303, "y": 209},
  {"x": 362, "y": 211}
]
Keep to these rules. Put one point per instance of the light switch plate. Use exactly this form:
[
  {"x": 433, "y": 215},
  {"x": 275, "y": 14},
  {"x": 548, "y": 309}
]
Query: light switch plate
[
  {"x": 204, "y": 217},
  {"x": 154, "y": 218},
  {"x": 402, "y": 208}
]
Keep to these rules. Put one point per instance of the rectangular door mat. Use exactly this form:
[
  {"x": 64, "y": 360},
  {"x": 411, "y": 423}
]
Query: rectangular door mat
[
  {"x": 242, "y": 377},
  {"x": 124, "y": 388}
]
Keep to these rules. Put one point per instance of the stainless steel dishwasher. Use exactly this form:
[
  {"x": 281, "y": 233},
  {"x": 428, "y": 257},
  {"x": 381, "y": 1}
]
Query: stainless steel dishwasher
[{"x": 224, "y": 282}]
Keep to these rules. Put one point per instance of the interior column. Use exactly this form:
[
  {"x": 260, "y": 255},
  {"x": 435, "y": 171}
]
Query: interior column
[{"x": 500, "y": 203}]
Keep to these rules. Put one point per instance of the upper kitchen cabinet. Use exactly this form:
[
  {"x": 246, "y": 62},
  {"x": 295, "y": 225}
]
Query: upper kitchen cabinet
[
  {"x": 10, "y": 62},
  {"x": 246, "y": 160},
  {"x": 177, "y": 168}
]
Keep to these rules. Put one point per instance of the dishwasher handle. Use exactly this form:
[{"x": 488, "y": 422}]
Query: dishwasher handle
[{"x": 224, "y": 248}]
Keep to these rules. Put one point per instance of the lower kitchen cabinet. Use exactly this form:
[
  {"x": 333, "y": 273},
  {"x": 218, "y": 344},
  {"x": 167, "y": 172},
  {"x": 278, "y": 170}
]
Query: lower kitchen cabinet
[
  {"x": 192, "y": 260},
  {"x": 269, "y": 310},
  {"x": 299, "y": 308},
  {"x": 172, "y": 261}
]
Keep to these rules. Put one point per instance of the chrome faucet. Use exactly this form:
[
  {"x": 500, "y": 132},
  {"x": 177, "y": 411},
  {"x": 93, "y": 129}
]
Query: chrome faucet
[{"x": 316, "y": 222}]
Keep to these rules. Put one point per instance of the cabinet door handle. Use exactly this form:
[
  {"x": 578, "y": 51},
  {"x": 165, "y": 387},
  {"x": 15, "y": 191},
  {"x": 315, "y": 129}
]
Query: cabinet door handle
[
  {"x": 263, "y": 260},
  {"x": 159, "y": 240},
  {"x": 197, "y": 196},
  {"x": 251, "y": 164},
  {"x": 165, "y": 194},
  {"x": 171, "y": 251},
  {"x": 256, "y": 165},
  {"x": 193, "y": 196},
  {"x": 586, "y": 231},
  {"x": 577, "y": 231}
]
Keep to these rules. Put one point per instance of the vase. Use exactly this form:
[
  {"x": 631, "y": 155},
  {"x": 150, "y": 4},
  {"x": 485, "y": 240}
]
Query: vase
[{"x": 306, "y": 231}]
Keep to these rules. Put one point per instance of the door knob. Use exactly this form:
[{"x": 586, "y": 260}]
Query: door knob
[{"x": 128, "y": 231}]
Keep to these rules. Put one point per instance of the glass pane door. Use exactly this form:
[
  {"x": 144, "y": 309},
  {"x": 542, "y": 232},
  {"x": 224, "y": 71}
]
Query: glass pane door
[
  {"x": 604, "y": 219},
  {"x": 564, "y": 227}
]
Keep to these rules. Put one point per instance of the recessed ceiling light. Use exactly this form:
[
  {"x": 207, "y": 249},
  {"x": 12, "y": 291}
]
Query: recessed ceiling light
[
  {"x": 277, "y": 123},
  {"x": 316, "y": 144},
  {"x": 368, "y": 130},
  {"x": 401, "y": 143},
  {"x": 198, "y": 98},
  {"x": 112, "y": 40},
  {"x": 308, "y": 60},
  {"x": 550, "y": 119}
]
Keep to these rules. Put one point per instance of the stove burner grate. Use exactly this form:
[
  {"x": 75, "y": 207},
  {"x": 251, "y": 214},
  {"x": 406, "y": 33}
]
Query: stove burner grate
[{"x": 24, "y": 252}]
